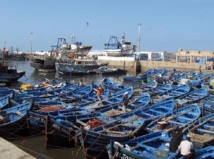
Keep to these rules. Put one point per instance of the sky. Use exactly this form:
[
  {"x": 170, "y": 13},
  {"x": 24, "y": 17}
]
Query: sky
[{"x": 162, "y": 25}]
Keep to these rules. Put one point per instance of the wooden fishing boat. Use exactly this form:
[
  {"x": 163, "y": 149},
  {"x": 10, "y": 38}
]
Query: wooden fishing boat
[
  {"x": 78, "y": 65},
  {"x": 39, "y": 119},
  {"x": 205, "y": 153},
  {"x": 45, "y": 105},
  {"x": 178, "y": 76},
  {"x": 10, "y": 73},
  {"x": 5, "y": 92},
  {"x": 114, "y": 98},
  {"x": 51, "y": 89},
  {"x": 78, "y": 93},
  {"x": 63, "y": 128},
  {"x": 181, "y": 117},
  {"x": 92, "y": 97},
  {"x": 45, "y": 63},
  {"x": 107, "y": 83},
  {"x": 146, "y": 87},
  {"x": 106, "y": 70},
  {"x": 118, "y": 109},
  {"x": 140, "y": 77},
  {"x": 175, "y": 92},
  {"x": 127, "y": 126},
  {"x": 192, "y": 97},
  {"x": 14, "y": 123},
  {"x": 207, "y": 104},
  {"x": 4, "y": 102},
  {"x": 150, "y": 146},
  {"x": 201, "y": 131},
  {"x": 160, "y": 89}
]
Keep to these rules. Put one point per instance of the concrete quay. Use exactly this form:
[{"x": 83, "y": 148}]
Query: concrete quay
[
  {"x": 182, "y": 61},
  {"x": 10, "y": 151}
]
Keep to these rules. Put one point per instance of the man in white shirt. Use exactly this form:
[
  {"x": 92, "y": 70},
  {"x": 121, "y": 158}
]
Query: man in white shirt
[{"x": 186, "y": 148}]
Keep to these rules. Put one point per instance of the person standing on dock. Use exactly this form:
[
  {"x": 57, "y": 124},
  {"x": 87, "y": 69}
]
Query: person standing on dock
[{"x": 125, "y": 100}]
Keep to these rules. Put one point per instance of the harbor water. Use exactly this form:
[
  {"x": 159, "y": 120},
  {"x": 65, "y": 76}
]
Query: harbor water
[{"x": 36, "y": 145}]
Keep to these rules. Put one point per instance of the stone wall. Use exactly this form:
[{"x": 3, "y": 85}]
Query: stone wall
[
  {"x": 126, "y": 63},
  {"x": 183, "y": 66}
]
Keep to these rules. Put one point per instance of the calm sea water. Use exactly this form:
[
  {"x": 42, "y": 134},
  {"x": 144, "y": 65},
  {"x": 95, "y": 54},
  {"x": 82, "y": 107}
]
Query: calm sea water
[{"x": 36, "y": 145}]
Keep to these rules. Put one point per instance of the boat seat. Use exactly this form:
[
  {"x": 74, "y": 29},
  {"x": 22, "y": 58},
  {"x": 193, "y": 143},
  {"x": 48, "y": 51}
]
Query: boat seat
[
  {"x": 174, "y": 122},
  {"x": 114, "y": 112},
  {"x": 205, "y": 131},
  {"x": 155, "y": 111},
  {"x": 115, "y": 132},
  {"x": 184, "y": 118},
  {"x": 148, "y": 114},
  {"x": 18, "y": 112}
]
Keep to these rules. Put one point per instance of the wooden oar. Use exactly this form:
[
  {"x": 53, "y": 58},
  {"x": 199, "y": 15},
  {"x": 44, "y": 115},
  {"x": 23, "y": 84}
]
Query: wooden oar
[
  {"x": 172, "y": 117},
  {"x": 193, "y": 129}
]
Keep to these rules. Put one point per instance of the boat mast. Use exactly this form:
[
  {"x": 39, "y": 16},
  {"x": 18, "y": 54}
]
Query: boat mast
[{"x": 139, "y": 26}]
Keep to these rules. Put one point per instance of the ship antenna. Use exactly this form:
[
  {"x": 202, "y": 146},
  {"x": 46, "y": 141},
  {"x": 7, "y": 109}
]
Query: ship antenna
[{"x": 139, "y": 26}]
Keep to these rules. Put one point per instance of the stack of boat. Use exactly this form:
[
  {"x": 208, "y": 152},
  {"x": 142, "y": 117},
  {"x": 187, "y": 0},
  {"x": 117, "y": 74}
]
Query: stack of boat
[{"x": 71, "y": 115}]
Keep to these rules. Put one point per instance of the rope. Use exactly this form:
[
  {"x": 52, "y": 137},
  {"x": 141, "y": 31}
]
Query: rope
[{"x": 117, "y": 150}]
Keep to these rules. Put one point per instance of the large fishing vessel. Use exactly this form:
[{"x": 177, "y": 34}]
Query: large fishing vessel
[{"x": 122, "y": 48}]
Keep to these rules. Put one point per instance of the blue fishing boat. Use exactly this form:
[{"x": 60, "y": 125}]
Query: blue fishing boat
[
  {"x": 201, "y": 131},
  {"x": 107, "y": 83},
  {"x": 38, "y": 120},
  {"x": 4, "y": 102},
  {"x": 161, "y": 71},
  {"x": 175, "y": 92},
  {"x": 38, "y": 100},
  {"x": 192, "y": 97},
  {"x": 112, "y": 99},
  {"x": 207, "y": 104},
  {"x": 118, "y": 109},
  {"x": 51, "y": 89},
  {"x": 140, "y": 77},
  {"x": 63, "y": 128},
  {"x": 181, "y": 117},
  {"x": 160, "y": 89},
  {"x": 146, "y": 87},
  {"x": 176, "y": 78},
  {"x": 13, "y": 121},
  {"x": 127, "y": 126},
  {"x": 8, "y": 92},
  {"x": 92, "y": 97},
  {"x": 150, "y": 146},
  {"x": 205, "y": 153},
  {"x": 77, "y": 93},
  {"x": 51, "y": 103}
]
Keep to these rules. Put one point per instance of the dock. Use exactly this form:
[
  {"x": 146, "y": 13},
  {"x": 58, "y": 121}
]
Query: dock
[
  {"x": 10, "y": 151},
  {"x": 181, "y": 61}
]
